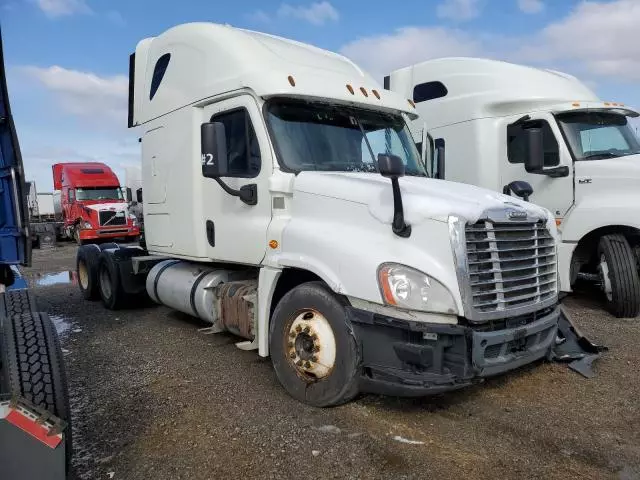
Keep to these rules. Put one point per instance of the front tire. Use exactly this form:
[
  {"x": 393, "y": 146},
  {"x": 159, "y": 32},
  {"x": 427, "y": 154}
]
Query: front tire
[
  {"x": 87, "y": 260},
  {"x": 619, "y": 276},
  {"x": 313, "y": 349}
]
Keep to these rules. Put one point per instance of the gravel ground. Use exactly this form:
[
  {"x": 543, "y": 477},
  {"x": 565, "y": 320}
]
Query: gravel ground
[{"x": 152, "y": 397}]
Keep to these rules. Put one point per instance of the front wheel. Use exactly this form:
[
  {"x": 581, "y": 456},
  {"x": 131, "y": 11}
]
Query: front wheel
[
  {"x": 313, "y": 349},
  {"x": 619, "y": 276}
]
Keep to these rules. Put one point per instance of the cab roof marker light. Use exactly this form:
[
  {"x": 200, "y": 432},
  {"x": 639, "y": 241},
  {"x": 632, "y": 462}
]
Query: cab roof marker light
[
  {"x": 292, "y": 81},
  {"x": 575, "y": 104},
  {"x": 364, "y": 91},
  {"x": 375, "y": 92},
  {"x": 350, "y": 88}
]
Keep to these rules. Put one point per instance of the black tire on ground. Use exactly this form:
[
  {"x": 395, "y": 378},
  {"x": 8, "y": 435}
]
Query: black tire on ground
[
  {"x": 341, "y": 383},
  {"x": 111, "y": 291},
  {"x": 32, "y": 358},
  {"x": 624, "y": 298},
  {"x": 87, "y": 260}
]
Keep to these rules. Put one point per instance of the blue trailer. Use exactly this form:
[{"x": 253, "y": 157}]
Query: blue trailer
[{"x": 35, "y": 436}]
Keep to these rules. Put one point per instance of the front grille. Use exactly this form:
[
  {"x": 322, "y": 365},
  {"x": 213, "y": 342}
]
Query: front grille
[
  {"x": 511, "y": 265},
  {"x": 107, "y": 218}
]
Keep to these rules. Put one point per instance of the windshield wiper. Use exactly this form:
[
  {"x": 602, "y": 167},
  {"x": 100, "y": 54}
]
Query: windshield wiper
[{"x": 600, "y": 156}]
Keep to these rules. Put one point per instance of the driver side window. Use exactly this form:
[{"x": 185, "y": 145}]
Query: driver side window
[
  {"x": 243, "y": 150},
  {"x": 517, "y": 143}
]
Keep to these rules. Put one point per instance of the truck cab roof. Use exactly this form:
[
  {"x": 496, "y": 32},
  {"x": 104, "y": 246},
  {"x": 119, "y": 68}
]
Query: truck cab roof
[
  {"x": 83, "y": 174},
  {"x": 193, "y": 62},
  {"x": 472, "y": 88}
]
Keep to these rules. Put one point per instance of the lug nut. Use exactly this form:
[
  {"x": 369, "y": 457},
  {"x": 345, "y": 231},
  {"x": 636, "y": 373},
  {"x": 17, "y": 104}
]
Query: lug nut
[
  {"x": 307, "y": 365},
  {"x": 292, "y": 335},
  {"x": 299, "y": 363},
  {"x": 307, "y": 329},
  {"x": 290, "y": 345},
  {"x": 314, "y": 337},
  {"x": 314, "y": 359},
  {"x": 298, "y": 328},
  {"x": 292, "y": 355},
  {"x": 316, "y": 348}
]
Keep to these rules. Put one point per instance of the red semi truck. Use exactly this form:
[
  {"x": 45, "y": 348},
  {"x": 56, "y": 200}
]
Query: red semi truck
[{"x": 92, "y": 205}]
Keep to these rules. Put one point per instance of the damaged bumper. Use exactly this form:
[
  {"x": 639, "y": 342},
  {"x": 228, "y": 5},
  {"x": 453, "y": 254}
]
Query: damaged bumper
[{"x": 409, "y": 358}]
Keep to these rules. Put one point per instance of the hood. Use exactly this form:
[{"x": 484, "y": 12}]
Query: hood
[
  {"x": 423, "y": 198},
  {"x": 117, "y": 206}
]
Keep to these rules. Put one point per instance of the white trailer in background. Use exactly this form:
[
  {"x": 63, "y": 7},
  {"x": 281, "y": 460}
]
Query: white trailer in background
[{"x": 492, "y": 123}]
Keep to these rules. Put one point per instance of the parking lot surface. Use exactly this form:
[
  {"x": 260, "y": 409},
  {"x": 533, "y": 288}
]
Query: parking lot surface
[{"x": 154, "y": 398}]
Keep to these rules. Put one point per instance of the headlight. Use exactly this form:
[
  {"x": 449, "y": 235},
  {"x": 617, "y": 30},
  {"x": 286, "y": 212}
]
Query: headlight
[
  {"x": 87, "y": 225},
  {"x": 134, "y": 220},
  {"x": 409, "y": 288}
]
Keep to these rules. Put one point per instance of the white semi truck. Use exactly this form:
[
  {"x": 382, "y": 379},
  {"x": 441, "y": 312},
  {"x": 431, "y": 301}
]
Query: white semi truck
[
  {"x": 285, "y": 202},
  {"x": 496, "y": 123}
]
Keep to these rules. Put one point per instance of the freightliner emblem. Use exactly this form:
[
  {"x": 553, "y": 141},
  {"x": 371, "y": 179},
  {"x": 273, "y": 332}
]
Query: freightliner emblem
[{"x": 517, "y": 214}]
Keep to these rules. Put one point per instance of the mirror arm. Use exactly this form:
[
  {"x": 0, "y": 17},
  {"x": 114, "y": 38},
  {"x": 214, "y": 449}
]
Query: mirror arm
[
  {"x": 398, "y": 226},
  {"x": 247, "y": 193}
]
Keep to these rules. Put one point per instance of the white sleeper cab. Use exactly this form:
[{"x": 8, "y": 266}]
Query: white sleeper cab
[
  {"x": 491, "y": 123},
  {"x": 285, "y": 201}
]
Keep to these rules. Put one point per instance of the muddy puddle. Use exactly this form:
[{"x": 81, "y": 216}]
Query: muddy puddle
[{"x": 58, "y": 278}]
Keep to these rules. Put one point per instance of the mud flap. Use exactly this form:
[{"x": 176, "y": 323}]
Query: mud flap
[
  {"x": 32, "y": 443},
  {"x": 571, "y": 346}
]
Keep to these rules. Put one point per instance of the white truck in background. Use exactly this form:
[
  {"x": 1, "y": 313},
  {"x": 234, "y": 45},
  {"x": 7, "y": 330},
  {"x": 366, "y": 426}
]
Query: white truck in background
[
  {"x": 285, "y": 202},
  {"x": 491, "y": 123}
]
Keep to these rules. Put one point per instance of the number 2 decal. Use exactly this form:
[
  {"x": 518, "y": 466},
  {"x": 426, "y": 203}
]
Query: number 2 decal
[{"x": 207, "y": 159}]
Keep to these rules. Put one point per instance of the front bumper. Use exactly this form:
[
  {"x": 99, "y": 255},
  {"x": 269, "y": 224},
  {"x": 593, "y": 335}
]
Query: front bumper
[
  {"x": 123, "y": 231},
  {"x": 410, "y": 358}
]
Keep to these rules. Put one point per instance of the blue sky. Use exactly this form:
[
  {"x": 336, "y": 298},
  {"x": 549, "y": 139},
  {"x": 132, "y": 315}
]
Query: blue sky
[{"x": 67, "y": 60}]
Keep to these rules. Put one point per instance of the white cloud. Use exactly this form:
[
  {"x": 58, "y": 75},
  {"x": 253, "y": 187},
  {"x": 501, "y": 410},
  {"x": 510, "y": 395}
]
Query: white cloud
[
  {"x": 459, "y": 10},
  {"x": 595, "y": 40},
  {"x": 85, "y": 94},
  {"x": 259, "y": 16},
  {"x": 61, "y": 8},
  {"x": 317, "y": 13},
  {"x": 531, "y": 6},
  {"x": 116, "y": 18},
  {"x": 381, "y": 54},
  {"x": 599, "y": 36}
]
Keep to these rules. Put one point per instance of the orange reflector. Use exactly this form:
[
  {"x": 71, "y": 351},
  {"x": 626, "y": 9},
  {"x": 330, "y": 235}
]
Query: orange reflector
[
  {"x": 350, "y": 88},
  {"x": 558, "y": 221},
  {"x": 375, "y": 92},
  {"x": 291, "y": 81},
  {"x": 364, "y": 91},
  {"x": 273, "y": 244},
  {"x": 606, "y": 104},
  {"x": 386, "y": 289}
]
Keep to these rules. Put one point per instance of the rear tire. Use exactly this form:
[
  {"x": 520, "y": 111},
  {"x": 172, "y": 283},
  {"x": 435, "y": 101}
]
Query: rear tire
[
  {"x": 619, "y": 275},
  {"x": 32, "y": 359},
  {"x": 307, "y": 322},
  {"x": 110, "y": 286}
]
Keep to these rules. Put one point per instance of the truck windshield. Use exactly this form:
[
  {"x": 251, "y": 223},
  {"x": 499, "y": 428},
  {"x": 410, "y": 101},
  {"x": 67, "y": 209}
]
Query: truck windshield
[
  {"x": 598, "y": 135},
  {"x": 99, "y": 193},
  {"x": 319, "y": 136}
]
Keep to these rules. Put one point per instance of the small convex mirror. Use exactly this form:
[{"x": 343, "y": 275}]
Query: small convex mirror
[{"x": 213, "y": 144}]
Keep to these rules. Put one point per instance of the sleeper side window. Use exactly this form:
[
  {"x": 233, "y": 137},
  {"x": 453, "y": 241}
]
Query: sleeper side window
[
  {"x": 158, "y": 73},
  {"x": 243, "y": 150},
  {"x": 517, "y": 143}
]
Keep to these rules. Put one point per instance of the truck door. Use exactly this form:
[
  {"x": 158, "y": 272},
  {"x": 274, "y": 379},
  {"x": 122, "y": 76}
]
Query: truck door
[
  {"x": 15, "y": 247},
  {"x": 554, "y": 193},
  {"x": 237, "y": 232}
]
